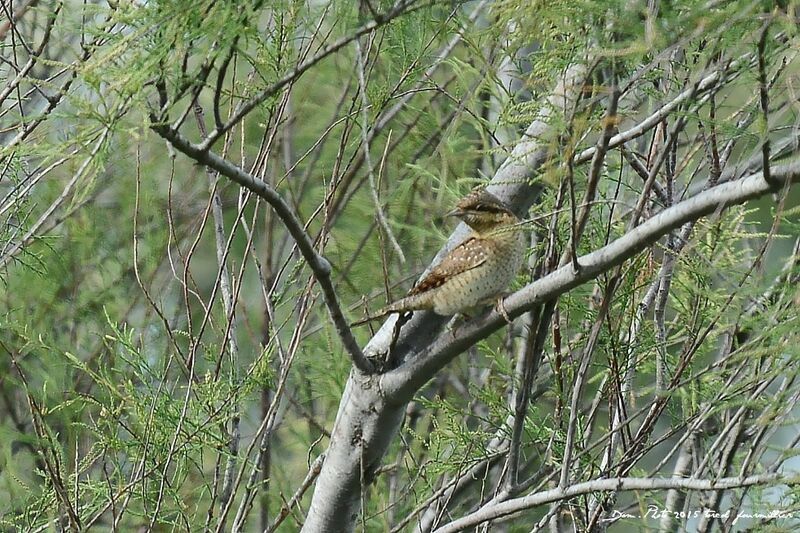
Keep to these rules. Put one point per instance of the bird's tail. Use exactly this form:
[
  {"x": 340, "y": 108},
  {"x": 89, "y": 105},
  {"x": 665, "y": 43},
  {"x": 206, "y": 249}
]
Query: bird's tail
[
  {"x": 409, "y": 303},
  {"x": 380, "y": 314}
]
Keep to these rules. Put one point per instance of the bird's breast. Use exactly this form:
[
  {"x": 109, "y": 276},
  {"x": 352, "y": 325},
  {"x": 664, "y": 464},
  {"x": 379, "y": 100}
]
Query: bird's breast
[{"x": 505, "y": 254}]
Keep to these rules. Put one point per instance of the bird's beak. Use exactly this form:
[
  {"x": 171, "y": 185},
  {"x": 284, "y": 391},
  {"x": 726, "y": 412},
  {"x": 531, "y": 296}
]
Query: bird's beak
[{"x": 457, "y": 212}]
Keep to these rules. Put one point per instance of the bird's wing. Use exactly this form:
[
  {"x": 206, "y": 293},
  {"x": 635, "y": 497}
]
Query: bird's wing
[{"x": 464, "y": 257}]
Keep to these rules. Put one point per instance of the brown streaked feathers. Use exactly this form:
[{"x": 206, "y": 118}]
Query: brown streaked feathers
[
  {"x": 478, "y": 269},
  {"x": 466, "y": 256}
]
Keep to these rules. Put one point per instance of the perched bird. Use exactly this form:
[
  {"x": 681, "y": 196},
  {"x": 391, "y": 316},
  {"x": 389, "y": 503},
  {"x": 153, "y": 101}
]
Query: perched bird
[{"x": 477, "y": 271}]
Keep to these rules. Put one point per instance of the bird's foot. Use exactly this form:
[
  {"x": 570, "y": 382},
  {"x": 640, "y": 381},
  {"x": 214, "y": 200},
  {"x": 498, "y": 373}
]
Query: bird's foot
[
  {"x": 500, "y": 307},
  {"x": 455, "y": 323},
  {"x": 401, "y": 321}
]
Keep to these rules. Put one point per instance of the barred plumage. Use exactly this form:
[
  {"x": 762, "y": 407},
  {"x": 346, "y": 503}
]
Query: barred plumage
[{"x": 477, "y": 270}]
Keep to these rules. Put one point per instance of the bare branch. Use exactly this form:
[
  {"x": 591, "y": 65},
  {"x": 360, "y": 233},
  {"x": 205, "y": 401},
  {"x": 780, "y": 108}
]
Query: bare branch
[
  {"x": 316, "y": 262},
  {"x": 402, "y": 7},
  {"x": 610, "y": 485},
  {"x": 402, "y": 382}
]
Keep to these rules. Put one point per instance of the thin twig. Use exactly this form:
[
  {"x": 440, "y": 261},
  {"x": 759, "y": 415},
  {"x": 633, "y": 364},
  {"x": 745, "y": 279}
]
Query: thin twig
[
  {"x": 316, "y": 262},
  {"x": 362, "y": 89}
]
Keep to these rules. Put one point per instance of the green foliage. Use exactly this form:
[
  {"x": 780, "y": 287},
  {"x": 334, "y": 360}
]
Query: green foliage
[{"x": 121, "y": 363}]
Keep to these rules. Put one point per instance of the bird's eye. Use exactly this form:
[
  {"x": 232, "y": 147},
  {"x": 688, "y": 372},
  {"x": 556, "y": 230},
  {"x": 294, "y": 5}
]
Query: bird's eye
[{"x": 480, "y": 207}]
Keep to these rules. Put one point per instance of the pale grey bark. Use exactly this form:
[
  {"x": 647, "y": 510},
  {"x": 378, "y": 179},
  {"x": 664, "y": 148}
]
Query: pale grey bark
[
  {"x": 371, "y": 409},
  {"x": 608, "y": 485},
  {"x": 368, "y": 419},
  {"x": 403, "y": 381}
]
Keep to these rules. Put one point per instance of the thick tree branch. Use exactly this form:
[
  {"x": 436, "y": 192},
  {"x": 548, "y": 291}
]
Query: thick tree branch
[
  {"x": 366, "y": 422},
  {"x": 610, "y": 485},
  {"x": 318, "y": 264},
  {"x": 400, "y": 384}
]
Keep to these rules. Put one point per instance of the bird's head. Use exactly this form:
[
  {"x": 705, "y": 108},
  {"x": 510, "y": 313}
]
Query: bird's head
[{"x": 483, "y": 211}]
